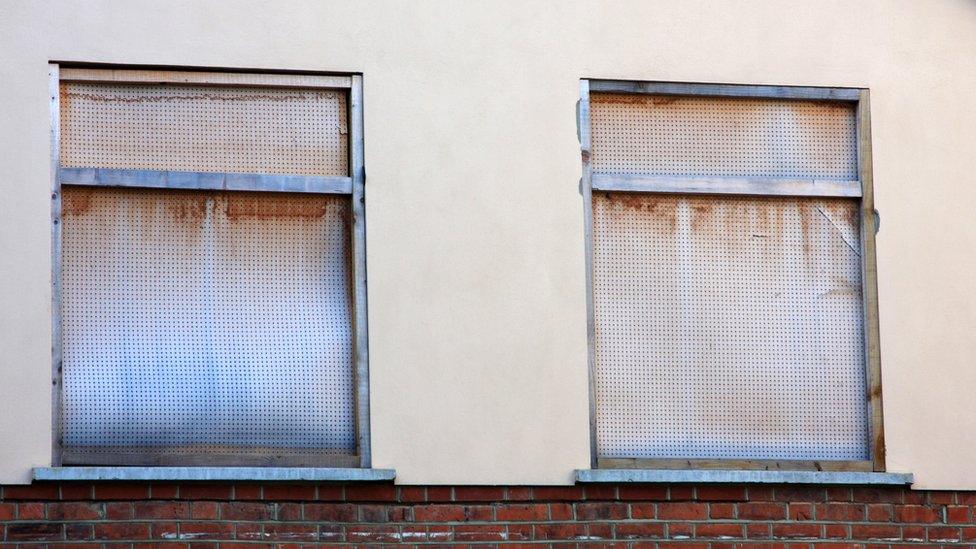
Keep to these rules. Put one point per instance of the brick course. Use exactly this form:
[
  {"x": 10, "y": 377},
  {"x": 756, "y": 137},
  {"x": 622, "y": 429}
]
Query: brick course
[{"x": 634, "y": 516}]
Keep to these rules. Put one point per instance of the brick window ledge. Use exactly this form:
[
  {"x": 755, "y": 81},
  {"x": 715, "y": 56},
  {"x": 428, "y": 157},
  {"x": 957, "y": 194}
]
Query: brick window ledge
[
  {"x": 699, "y": 476},
  {"x": 263, "y": 474}
]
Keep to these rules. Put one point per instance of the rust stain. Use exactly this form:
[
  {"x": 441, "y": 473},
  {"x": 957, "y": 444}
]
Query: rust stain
[
  {"x": 738, "y": 219},
  {"x": 245, "y": 205},
  {"x": 628, "y": 203},
  {"x": 615, "y": 98},
  {"x": 633, "y": 99},
  {"x": 76, "y": 200},
  {"x": 227, "y": 97},
  {"x": 842, "y": 210},
  {"x": 193, "y": 206},
  {"x": 187, "y": 206},
  {"x": 701, "y": 214},
  {"x": 635, "y": 201}
]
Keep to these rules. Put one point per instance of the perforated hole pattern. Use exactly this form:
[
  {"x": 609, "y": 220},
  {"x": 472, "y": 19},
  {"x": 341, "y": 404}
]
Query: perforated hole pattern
[
  {"x": 728, "y": 327},
  {"x": 207, "y": 319},
  {"x": 722, "y": 137},
  {"x": 204, "y": 129}
]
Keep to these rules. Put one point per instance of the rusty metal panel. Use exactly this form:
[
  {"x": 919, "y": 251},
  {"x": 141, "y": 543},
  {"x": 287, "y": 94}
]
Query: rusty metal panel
[
  {"x": 204, "y": 128},
  {"x": 724, "y": 137},
  {"x": 728, "y": 327},
  {"x": 207, "y": 320}
]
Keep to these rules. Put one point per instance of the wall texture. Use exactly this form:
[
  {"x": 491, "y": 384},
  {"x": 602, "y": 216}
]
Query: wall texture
[
  {"x": 475, "y": 247},
  {"x": 83, "y": 516}
]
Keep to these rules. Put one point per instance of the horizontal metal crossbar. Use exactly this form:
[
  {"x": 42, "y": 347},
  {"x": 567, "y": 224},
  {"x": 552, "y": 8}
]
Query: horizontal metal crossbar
[
  {"x": 205, "y": 180},
  {"x": 212, "y": 78},
  {"x": 726, "y": 185},
  {"x": 726, "y": 90}
]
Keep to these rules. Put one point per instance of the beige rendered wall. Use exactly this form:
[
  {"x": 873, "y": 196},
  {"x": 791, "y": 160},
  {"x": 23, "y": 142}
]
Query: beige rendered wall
[{"x": 476, "y": 288}]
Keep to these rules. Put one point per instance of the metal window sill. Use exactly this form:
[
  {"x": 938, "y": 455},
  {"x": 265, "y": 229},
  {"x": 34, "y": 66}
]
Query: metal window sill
[
  {"x": 293, "y": 474},
  {"x": 742, "y": 476}
]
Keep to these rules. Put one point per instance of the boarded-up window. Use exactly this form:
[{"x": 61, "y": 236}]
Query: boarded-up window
[
  {"x": 726, "y": 279},
  {"x": 204, "y": 326}
]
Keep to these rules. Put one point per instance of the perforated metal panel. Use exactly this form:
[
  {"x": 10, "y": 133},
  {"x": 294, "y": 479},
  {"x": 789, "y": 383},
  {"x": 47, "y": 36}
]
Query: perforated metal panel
[
  {"x": 728, "y": 328},
  {"x": 207, "y": 320},
  {"x": 726, "y": 137},
  {"x": 204, "y": 128}
]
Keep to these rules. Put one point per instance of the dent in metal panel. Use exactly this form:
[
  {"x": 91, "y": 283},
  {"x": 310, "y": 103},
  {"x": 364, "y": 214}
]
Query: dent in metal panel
[
  {"x": 724, "y": 137},
  {"x": 728, "y": 327},
  {"x": 204, "y": 128},
  {"x": 212, "y": 320}
]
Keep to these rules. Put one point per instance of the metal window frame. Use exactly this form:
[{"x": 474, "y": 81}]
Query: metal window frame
[
  {"x": 352, "y": 186},
  {"x": 861, "y": 188}
]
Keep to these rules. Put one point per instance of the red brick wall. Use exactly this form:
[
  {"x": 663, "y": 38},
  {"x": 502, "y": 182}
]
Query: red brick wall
[{"x": 115, "y": 515}]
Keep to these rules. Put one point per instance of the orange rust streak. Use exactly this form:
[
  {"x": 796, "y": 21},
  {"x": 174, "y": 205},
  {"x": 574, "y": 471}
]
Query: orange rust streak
[
  {"x": 662, "y": 208},
  {"x": 189, "y": 206},
  {"x": 263, "y": 206},
  {"x": 76, "y": 200},
  {"x": 185, "y": 205},
  {"x": 633, "y": 99},
  {"x": 114, "y": 98}
]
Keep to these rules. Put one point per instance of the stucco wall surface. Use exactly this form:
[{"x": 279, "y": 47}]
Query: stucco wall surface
[{"x": 475, "y": 243}]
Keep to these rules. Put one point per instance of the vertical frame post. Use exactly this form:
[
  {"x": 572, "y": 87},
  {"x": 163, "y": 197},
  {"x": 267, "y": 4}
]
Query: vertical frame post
[
  {"x": 54, "y": 94},
  {"x": 586, "y": 189},
  {"x": 360, "y": 329},
  {"x": 869, "y": 284}
]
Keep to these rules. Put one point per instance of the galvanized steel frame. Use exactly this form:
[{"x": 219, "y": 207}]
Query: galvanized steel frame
[
  {"x": 862, "y": 188},
  {"x": 211, "y": 78},
  {"x": 726, "y": 90},
  {"x": 726, "y": 185},
  {"x": 166, "y": 179},
  {"x": 353, "y": 186}
]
